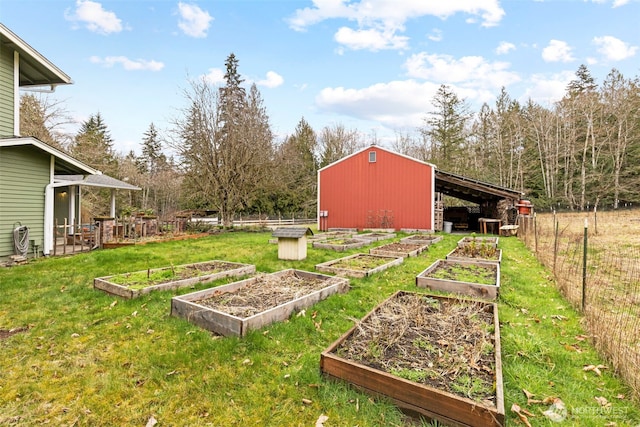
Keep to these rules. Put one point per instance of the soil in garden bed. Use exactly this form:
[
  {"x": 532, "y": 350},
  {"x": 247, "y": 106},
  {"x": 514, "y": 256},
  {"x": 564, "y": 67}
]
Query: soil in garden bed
[
  {"x": 362, "y": 262},
  {"x": 481, "y": 274},
  {"x": 425, "y": 238},
  {"x": 476, "y": 252},
  {"x": 264, "y": 293},
  {"x": 447, "y": 344},
  {"x": 151, "y": 277},
  {"x": 399, "y": 247}
]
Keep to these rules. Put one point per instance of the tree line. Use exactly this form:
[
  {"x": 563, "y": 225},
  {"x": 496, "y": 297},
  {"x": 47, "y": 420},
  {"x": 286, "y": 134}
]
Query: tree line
[{"x": 220, "y": 154}]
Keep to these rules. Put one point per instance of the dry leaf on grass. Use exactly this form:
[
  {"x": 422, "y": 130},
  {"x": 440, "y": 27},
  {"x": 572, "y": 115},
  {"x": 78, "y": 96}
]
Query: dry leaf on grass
[
  {"x": 530, "y": 399},
  {"x": 520, "y": 412},
  {"x": 152, "y": 422},
  {"x": 594, "y": 368},
  {"x": 321, "y": 420}
]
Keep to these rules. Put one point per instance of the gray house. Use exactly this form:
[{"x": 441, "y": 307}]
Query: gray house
[{"x": 39, "y": 184}]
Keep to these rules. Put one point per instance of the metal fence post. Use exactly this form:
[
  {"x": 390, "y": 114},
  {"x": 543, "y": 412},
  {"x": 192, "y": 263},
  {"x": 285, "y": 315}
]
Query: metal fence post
[{"x": 584, "y": 265}]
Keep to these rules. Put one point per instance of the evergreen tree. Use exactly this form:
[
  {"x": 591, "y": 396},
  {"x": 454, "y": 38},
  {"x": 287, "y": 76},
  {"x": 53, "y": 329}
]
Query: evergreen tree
[
  {"x": 298, "y": 168},
  {"x": 225, "y": 143},
  {"x": 446, "y": 129},
  {"x": 93, "y": 145},
  {"x": 152, "y": 158}
]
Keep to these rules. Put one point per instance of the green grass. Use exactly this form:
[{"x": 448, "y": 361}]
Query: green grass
[{"x": 90, "y": 358}]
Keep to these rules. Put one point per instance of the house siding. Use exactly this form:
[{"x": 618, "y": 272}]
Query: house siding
[
  {"x": 393, "y": 192},
  {"x": 24, "y": 174},
  {"x": 7, "y": 94}
]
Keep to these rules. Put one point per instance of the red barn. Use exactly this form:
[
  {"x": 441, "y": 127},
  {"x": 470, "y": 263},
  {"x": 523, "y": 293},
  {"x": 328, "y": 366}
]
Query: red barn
[{"x": 376, "y": 188}]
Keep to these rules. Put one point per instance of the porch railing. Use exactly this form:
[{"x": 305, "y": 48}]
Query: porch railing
[{"x": 72, "y": 237}]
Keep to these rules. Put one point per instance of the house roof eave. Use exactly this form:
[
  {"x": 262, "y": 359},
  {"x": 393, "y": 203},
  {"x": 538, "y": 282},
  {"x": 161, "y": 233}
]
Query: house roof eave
[{"x": 35, "y": 69}]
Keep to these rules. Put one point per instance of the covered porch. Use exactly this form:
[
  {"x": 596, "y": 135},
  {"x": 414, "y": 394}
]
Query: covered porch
[{"x": 64, "y": 228}]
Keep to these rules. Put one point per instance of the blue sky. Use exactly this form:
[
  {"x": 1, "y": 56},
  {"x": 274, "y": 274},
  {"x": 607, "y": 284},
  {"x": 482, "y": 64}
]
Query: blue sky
[{"x": 370, "y": 65}]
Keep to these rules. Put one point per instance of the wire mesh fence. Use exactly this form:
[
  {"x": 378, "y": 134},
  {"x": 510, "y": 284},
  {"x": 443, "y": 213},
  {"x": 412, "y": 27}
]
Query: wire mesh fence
[{"x": 595, "y": 258}]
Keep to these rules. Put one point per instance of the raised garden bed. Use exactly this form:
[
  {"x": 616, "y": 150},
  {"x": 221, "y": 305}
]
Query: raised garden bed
[
  {"x": 341, "y": 244},
  {"x": 236, "y": 308},
  {"x": 132, "y": 285},
  {"x": 399, "y": 249},
  {"x": 375, "y": 236},
  {"x": 478, "y": 279},
  {"x": 478, "y": 241},
  {"x": 359, "y": 265},
  {"x": 477, "y": 254},
  {"x": 422, "y": 239},
  {"x": 432, "y": 355}
]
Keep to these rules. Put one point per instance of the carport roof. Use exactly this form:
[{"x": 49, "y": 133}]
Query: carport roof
[{"x": 472, "y": 190}]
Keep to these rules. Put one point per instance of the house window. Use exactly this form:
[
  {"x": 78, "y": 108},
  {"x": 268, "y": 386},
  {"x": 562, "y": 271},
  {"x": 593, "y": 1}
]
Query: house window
[{"x": 372, "y": 156}]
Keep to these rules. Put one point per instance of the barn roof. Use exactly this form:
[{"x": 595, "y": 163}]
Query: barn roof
[
  {"x": 457, "y": 186},
  {"x": 376, "y": 147},
  {"x": 472, "y": 190},
  {"x": 292, "y": 232}
]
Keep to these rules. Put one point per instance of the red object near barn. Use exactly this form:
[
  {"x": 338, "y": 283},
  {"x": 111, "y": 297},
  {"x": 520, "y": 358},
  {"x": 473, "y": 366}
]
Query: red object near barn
[{"x": 376, "y": 188}]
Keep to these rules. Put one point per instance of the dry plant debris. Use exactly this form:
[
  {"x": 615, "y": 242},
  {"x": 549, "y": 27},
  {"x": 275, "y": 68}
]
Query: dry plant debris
[
  {"x": 265, "y": 292},
  {"x": 444, "y": 343},
  {"x": 361, "y": 262},
  {"x": 399, "y": 247}
]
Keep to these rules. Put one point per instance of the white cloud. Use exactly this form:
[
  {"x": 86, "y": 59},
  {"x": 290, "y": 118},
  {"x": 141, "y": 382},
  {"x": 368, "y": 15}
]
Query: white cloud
[
  {"x": 397, "y": 104},
  {"x": 214, "y": 76},
  {"x": 272, "y": 80},
  {"x": 545, "y": 89},
  {"x": 379, "y": 21},
  {"x": 370, "y": 39},
  {"x": 194, "y": 21},
  {"x": 394, "y": 13},
  {"x": 468, "y": 71},
  {"x": 128, "y": 64},
  {"x": 504, "y": 48},
  {"x": 557, "y": 51},
  {"x": 616, "y": 3},
  {"x": 436, "y": 35},
  {"x": 614, "y": 49},
  {"x": 94, "y": 17}
]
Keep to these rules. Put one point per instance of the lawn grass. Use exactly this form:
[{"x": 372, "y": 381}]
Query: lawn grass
[{"x": 89, "y": 358}]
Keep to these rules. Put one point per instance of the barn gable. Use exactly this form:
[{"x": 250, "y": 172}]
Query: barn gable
[{"x": 376, "y": 188}]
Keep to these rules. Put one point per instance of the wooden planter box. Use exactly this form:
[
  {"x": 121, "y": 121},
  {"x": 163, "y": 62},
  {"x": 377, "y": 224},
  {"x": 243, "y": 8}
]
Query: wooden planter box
[
  {"x": 487, "y": 241},
  {"x": 485, "y": 291},
  {"x": 350, "y": 243},
  {"x": 233, "y": 269},
  {"x": 334, "y": 267},
  {"x": 189, "y": 306},
  {"x": 419, "y": 398},
  {"x": 422, "y": 239},
  {"x": 404, "y": 250},
  {"x": 457, "y": 255},
  {"x": 374, "y": 236}
]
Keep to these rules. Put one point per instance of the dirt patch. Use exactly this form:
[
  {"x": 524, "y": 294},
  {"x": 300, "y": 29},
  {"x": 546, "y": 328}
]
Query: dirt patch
[
  {"x": 264, "y": 293},
  {"x": 6, "y": 333},
  {"x": 447, "y": 344}
]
